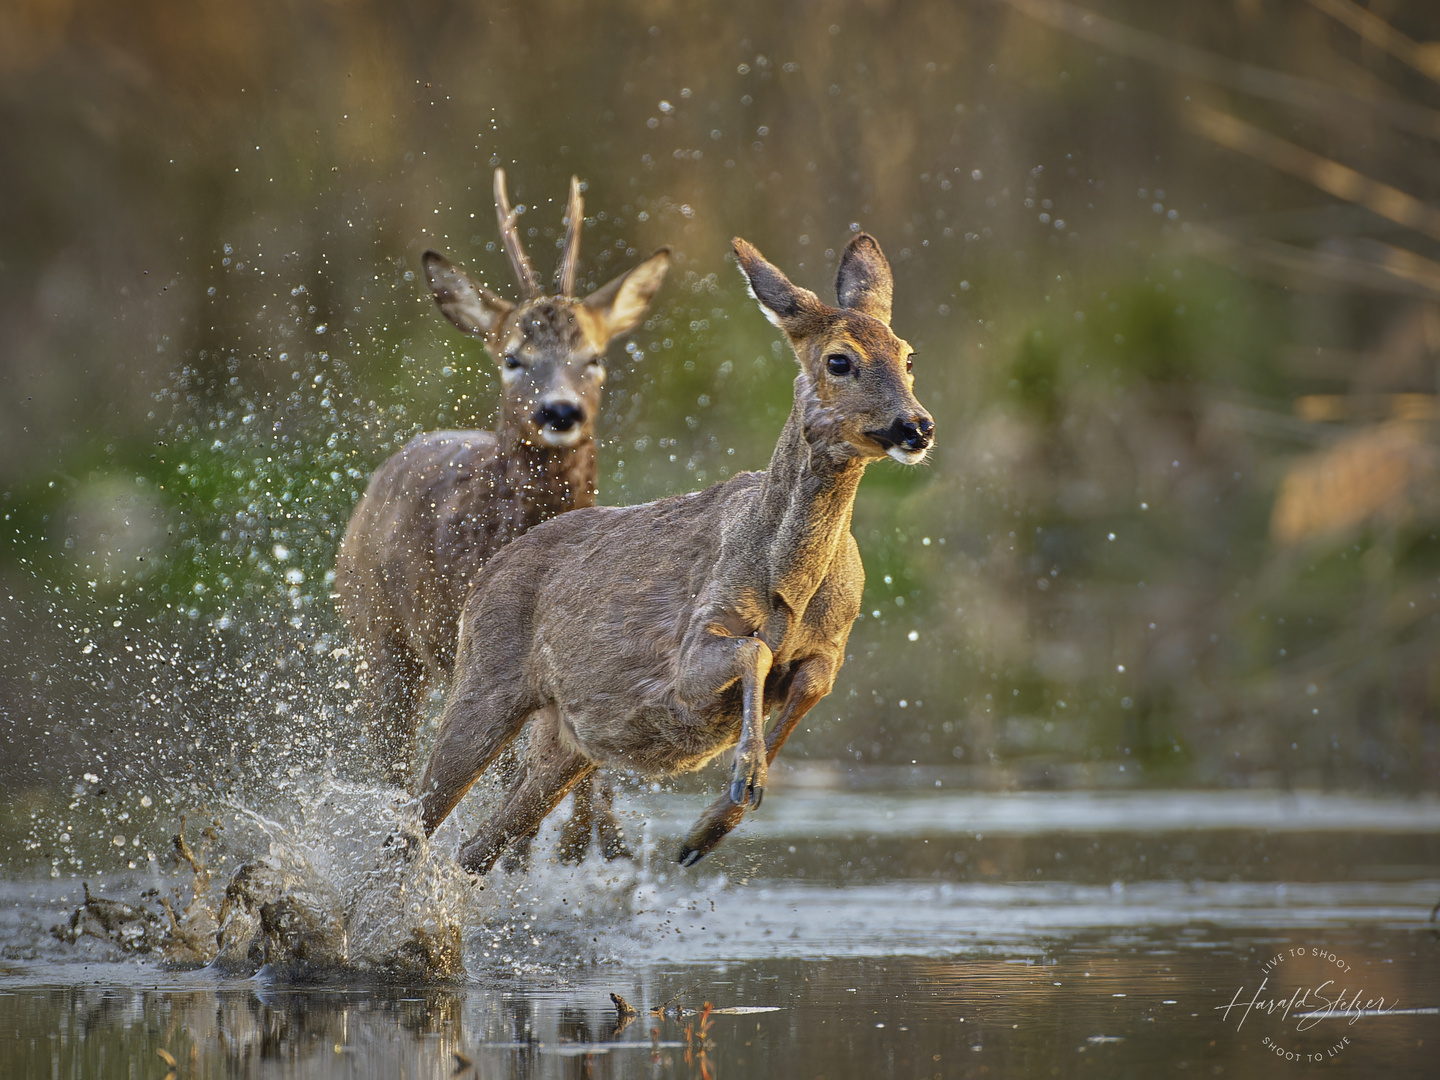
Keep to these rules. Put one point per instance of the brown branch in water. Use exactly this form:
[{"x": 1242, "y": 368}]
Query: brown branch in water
[
  {"x": 1423, "y": 58},
  {"x": 659, "y": 1010},
  {"x": 1331, "y": 102},
  {"x": 1329, "y": 176}
]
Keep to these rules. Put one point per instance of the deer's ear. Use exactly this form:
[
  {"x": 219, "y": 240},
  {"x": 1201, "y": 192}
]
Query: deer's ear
[
  {"x": 864, "y": 283},
  {"x": 473, "y": 308},
  {"x": 620, "y": 305},
  {"x": 791, "y": 308}
]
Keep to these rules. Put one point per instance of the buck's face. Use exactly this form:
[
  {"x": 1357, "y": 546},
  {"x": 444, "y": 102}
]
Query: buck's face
[
  {"x": 551, "y": 349},
  {"x": 857, "y": 370},
  {"x": 552, "y": 373}
]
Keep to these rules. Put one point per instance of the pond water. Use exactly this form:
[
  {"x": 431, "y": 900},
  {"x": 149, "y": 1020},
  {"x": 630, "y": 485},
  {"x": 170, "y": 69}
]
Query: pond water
[{"x": 874, "y": 932}]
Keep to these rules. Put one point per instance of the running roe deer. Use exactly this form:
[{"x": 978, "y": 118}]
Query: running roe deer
[
  {"x": 438, "y": 510},
  {"x": 654, "y": 637}
]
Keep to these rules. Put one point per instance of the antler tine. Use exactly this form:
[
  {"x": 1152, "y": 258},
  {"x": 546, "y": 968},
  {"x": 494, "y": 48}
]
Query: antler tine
[
  {"x": 570, "y": 255},
  {"x": 511, "y": 234}
]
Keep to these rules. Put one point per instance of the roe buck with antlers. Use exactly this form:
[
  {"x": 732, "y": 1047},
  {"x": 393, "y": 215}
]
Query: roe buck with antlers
[
  {"x": 654, "y": 637},
  {"x": 438, "y": 510}
]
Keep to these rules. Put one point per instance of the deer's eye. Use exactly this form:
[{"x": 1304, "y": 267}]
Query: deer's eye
[
  {"x": 910, "y": 363},
  {"x": 838, "y": 364},
  {"x": 512, "y": 361}
]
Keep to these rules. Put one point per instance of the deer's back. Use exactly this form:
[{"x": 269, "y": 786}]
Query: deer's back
[{"x": 429, "y": 519}]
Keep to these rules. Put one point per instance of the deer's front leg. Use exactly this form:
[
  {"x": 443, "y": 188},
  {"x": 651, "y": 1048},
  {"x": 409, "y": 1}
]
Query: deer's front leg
[
  {"x": 713, "y": 661},
  {"x": 811, "y": 682}
]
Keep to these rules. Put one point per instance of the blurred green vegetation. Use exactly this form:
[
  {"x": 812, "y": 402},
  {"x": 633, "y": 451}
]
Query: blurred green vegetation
[{"x": 1137, "y": 346}]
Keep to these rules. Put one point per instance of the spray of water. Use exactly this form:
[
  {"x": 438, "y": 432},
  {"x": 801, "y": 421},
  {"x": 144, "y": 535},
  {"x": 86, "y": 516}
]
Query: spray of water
[{"x": 216, "y": 802}]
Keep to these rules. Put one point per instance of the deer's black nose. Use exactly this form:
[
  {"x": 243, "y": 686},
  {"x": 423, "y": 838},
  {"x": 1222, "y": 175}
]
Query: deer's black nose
[
  {"x": 560, "y": 416},
  {"x": 917, "y": 434}
]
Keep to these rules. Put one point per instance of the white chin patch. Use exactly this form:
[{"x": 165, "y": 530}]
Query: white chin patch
[
  {"x": 551, "y": 437},
  {"x": 907, "y": 457}
]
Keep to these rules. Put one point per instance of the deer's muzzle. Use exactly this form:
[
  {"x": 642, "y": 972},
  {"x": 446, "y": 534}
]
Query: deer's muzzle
[{"x": 907, "y": 439}]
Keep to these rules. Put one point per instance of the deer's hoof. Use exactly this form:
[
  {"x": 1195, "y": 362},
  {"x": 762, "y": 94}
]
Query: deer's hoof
[
  {"x": 407, "y": 843},
  {"x": 517, "y": 860},
  {"x": 613, "y": 847},
  {"x": 747, "y": 791},
  {"x": 572, "y": 853},
  {"x": 714, "y": 825},
  {"x": 748, "y": 785},
  {"x": 476, "y": 858}
]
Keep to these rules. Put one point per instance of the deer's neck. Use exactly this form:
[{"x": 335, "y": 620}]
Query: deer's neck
[
  {"x": 807, "y": 498},
  {"x": 548, "y": 480}
]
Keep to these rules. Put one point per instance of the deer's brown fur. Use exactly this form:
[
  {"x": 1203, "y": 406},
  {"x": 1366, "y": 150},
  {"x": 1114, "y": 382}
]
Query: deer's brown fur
[
  {"x": 655, "y": 637},
  {"x": 437, "y": 511}
]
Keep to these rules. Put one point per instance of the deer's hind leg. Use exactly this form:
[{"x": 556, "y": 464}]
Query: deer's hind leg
[
  {"x": 594, "y": 810},
  {"x": 392, "y": 685},
  {"x": 607, "y": 828},
  {"x": 487, "y": 707},
  {"x": 551, "y": 769},
  {"x": 575, "y": 836}
]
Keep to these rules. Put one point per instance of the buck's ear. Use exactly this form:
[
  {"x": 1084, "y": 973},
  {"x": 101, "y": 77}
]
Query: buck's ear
[
  {"x": 864, "y": 283},
  {"x": 788, "y": 306},
  {"x": 620, "y": 305},
  {"x": 473, "y": 308}
]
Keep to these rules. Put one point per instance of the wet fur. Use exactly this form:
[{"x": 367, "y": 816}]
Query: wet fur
[
  {"x": 437, "y": 511},
  {"x": 655, "y": 637}
]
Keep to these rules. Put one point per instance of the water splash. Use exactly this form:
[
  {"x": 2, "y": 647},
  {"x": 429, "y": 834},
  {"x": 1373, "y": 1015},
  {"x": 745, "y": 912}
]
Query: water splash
[{"x": 336, "y": 880}]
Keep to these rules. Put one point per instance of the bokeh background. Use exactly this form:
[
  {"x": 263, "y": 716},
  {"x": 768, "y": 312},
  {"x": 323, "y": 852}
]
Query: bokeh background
[{"x": 1169, "y": 269}]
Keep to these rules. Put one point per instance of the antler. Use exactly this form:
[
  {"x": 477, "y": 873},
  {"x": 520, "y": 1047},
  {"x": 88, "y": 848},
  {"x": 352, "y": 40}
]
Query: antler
[
  {"x": 570, "y": 254},
  {"x": 507, "y": 218}
]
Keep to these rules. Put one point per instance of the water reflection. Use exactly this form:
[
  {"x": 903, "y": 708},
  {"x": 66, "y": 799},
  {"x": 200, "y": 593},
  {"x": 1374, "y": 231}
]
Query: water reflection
[{"x": 1138, "y": 1004}]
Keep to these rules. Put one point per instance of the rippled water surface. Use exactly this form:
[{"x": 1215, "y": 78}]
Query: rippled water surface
[{"x": 904, "y": 932}]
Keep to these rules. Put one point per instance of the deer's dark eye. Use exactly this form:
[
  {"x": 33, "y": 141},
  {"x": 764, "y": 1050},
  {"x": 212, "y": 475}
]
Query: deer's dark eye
[
  {"x": 910, "y": 363},
  {"x": 838, "y": 363},
  {"x": 512, "y": 361}
]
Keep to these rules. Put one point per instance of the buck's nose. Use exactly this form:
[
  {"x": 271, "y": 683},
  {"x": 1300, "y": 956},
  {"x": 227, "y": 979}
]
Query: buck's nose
[
  {"x": 560, "y": 415},
  {"x": 917, "y": 434}
]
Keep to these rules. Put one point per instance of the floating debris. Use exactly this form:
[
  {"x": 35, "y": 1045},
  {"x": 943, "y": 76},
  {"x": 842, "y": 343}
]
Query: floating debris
[{"x": 624, "y": 1013}]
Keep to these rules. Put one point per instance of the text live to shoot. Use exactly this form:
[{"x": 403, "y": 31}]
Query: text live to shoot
[{"x": 1306, "y": 1006}]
